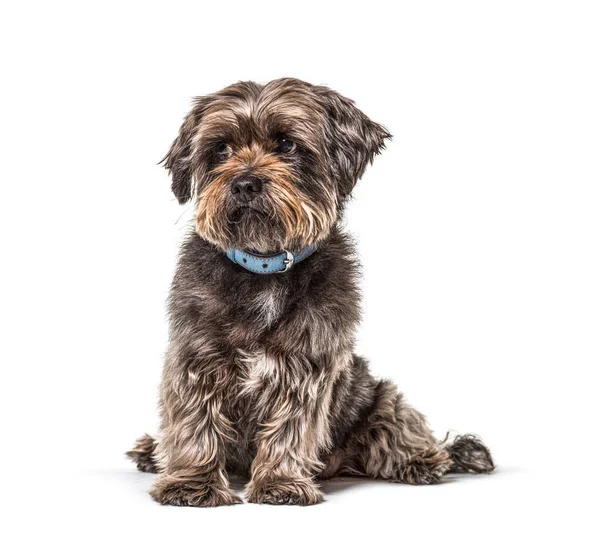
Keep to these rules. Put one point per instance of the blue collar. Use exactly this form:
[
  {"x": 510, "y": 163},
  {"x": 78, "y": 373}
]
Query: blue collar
[{"x": 268, "y": 264}]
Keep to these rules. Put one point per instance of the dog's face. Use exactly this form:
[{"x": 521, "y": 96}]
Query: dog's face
[{"x": 271, "y": 166}]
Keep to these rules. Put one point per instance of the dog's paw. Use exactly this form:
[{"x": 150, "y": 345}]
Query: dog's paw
[
  {"x": 285, "y": 492},
  {"x": 427, "y": 469},
  {"x": 192, "y": 493}
]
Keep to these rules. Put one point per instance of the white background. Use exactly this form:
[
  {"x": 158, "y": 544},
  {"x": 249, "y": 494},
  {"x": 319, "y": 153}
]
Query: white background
[{"x": 478, "y": 230}]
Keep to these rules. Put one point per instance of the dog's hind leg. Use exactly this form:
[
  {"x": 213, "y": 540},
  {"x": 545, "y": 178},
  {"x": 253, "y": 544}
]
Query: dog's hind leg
[
  {"x": 143, "y": 453},
  {"x": 394, "y": 442}
]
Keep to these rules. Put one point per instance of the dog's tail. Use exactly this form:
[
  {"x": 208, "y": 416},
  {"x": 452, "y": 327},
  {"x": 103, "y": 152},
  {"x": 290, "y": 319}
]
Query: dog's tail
[
  {"x": 469, "y": 455},
  {"x": 143, "y": 454}
]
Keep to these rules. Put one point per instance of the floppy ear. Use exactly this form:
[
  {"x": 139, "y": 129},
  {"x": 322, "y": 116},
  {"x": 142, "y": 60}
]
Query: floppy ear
[
  {"x": 179, "y": 160},
  {"x": 353, "y": 139}
]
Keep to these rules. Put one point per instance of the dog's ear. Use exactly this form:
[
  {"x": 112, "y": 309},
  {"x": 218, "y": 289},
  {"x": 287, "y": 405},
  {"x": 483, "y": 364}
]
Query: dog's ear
[
  {"x": 179, "y": 160},
  {"x": 352, "y": 138}
]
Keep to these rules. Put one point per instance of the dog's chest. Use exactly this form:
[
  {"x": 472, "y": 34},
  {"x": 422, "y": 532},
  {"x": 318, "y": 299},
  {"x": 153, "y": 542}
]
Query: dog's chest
[
  {"x": 257, "y": 369},
  {"x": 268, "y": 305}
]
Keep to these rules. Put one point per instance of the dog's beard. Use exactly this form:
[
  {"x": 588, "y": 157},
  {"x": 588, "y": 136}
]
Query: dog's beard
[
  {"x": 281, "y": 218},
  {"x": 254, "y": 228}
]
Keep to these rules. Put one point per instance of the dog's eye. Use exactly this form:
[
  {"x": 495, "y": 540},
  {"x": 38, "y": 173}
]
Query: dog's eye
[
  {"x": 285, "y": 146},
  {"x": 224, "y": 150}
]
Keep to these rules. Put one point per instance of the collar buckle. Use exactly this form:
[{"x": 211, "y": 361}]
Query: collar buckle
[{"x": 288, "y": 261}]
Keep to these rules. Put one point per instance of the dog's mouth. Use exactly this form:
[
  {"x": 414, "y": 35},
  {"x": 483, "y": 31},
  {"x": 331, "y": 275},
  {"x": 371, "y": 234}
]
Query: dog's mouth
[
  {"x": 246, "y": 210},
  {"x": 247, "y": 218}
]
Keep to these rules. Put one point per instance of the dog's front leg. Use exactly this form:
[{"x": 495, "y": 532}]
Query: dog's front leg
[
  {"x": 190, "y": 452},
  {"x": 294, "y": 430}
]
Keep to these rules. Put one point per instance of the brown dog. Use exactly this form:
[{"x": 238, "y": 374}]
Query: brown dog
[{"x": 260, "y": 377}]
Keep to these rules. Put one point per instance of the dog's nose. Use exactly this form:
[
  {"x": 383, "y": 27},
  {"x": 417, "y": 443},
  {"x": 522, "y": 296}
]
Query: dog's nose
[{"x": 246, "y": 189}]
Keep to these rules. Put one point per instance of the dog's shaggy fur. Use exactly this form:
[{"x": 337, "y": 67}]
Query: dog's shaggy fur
[{"x": 260, "y": 377}]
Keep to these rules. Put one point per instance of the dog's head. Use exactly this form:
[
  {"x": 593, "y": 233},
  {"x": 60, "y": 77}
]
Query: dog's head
[{"x": 270, "y": 166}]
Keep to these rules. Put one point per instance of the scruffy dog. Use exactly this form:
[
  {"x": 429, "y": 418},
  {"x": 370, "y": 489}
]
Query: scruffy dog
[{"x": 260, "y": 378}]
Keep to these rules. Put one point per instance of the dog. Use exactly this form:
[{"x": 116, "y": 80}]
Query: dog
[{"x": 260, "y": 378}]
